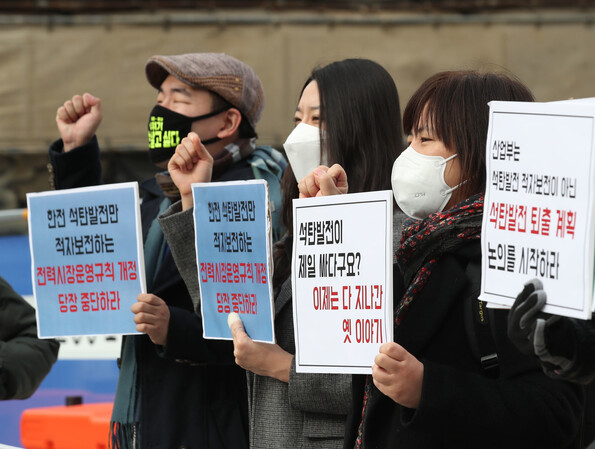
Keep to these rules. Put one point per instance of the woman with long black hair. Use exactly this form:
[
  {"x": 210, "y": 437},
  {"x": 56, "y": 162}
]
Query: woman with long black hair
[{"x": 352, "y": 108}]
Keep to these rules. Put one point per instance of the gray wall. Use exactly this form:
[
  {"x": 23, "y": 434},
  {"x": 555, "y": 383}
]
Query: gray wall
[{"x": 44, "y": 64}]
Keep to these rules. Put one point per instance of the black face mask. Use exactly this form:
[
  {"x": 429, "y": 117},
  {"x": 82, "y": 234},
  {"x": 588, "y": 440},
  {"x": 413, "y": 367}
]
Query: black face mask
[{"x": 167, "y": 129}]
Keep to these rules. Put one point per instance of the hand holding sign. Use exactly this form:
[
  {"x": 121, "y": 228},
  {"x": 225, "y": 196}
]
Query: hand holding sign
[
  {"x": 398, "y": 374},
  {"x": 324, "y": 181},
  {"x": 523, "y": 316},
  {"x": 341, "y": 281},
  {"x": 151, "y": 316},
  {"x": 87, "y": 258},
  {"x": 78, "y": 120},
  {"x": 263, "y": 359},
  {"x": 190, "y": 163}
]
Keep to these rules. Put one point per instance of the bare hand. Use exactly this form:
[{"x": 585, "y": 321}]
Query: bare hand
[
  {"x": 151, "y": 315},
  {"x": 264, "y": 359},
  {"x": 78, "y": 120},
  {"x": 190, "y": 163},
  {"x": 398, "y": 375},
  {"x": 324, "y": 181}
]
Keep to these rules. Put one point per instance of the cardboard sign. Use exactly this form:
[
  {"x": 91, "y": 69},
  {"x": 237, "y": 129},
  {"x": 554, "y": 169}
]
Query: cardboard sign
[
  {"x": 87, "y": 259},
  {"x": 538, "y": 212},
  {"x": 342, "y": 281},
  {"x": 233, "y": 247}
]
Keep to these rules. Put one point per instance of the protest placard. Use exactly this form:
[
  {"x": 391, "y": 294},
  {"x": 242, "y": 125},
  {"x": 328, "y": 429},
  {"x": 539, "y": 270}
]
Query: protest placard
[
  {"x": 87, "y": 259},
  {"x": 342, "y": 281},
  {"x": 538, "y": 212},
  {"x": 233, "y": 248}
]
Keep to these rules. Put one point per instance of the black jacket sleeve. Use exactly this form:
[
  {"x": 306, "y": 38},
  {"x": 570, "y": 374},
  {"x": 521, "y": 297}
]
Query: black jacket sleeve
[
  {"x": 24, "y": 359},
  {"x": 80, "y": 167},
  {"x": 573, "y": 339},
  {"x": 185, "y": 341}
]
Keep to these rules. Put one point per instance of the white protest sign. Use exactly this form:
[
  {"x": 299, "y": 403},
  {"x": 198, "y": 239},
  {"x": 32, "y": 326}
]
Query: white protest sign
[
  {"x": 233, "y": 248},
  {"x": 538, "y": 212},
  {"x": 342, "y": 281},
  {"x": 87, "y": 259}
]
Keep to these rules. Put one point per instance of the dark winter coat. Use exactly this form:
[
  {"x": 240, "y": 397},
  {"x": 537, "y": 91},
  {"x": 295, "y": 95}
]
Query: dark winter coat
[
  {"x": 24, "y": 359},
  {"x": 193, "y": 395},
  {"x": 461, "y": 407}
]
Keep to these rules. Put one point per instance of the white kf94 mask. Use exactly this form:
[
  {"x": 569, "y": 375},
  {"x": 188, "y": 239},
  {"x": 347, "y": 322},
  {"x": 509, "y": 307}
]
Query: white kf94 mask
[
  {"x": 418, "y": 183},
  {"x": 303, "y": 150}
]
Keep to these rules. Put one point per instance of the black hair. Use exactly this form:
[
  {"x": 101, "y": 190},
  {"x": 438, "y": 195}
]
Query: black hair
[
  {"x": 360, "y": 126},
  {"x": 455, "y": 106}
]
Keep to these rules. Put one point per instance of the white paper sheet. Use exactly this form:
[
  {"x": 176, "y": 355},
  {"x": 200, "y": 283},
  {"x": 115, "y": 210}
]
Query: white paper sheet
[{"x": 342, "y": 281}]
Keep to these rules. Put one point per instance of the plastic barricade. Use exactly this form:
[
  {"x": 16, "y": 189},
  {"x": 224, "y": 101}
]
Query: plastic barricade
[{"x": 83, "y": 426}]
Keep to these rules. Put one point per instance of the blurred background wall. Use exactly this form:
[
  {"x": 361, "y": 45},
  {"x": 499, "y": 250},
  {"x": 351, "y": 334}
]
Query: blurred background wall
[{"x": 51, "y": 50}]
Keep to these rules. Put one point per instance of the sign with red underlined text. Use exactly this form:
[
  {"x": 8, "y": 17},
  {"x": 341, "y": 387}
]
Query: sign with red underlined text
[
  {"x": 233, "y": 250},
  {"x": 538, "y": 211},
  {"x": 87, "y": 259},
  {"x": 342, "y": 281}
]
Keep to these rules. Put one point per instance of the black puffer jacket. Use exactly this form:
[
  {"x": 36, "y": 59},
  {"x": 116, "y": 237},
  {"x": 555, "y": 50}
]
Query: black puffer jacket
[
  {"x": 24, "y": 359},
  {"x": 460, "y": 406}
]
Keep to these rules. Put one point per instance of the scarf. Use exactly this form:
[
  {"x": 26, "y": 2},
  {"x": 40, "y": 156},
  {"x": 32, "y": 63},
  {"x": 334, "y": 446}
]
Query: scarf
[
  {"x": 424, "y": 241},
  {"x": 232, "y": 153},
  {"x": 167, "y": 185},
  {"x": 422, "y": 244}
]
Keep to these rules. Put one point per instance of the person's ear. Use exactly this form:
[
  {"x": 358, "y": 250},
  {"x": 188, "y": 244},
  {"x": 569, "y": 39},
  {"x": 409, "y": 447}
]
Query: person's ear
[{"x": 231, "y": 123}]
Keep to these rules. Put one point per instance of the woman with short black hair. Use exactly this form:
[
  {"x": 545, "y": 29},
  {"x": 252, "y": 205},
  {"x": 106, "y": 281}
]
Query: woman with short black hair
[{"x": 451, "y": 378}]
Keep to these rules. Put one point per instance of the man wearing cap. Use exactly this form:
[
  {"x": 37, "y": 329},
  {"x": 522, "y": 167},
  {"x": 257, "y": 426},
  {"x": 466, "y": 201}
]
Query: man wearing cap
[{"x": 175, "y": 388}]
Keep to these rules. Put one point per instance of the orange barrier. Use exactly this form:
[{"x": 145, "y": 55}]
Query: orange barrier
[{"x": 66, "y": 427}]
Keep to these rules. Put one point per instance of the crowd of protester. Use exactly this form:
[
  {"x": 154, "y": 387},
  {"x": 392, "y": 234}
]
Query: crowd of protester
[{"x": 428, "y": 388}]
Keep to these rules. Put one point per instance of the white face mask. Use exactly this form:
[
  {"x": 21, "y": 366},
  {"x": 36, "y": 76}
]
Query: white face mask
[
  {"x": 418, "y": 183},
  {"x": 303, "y": 150}
]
